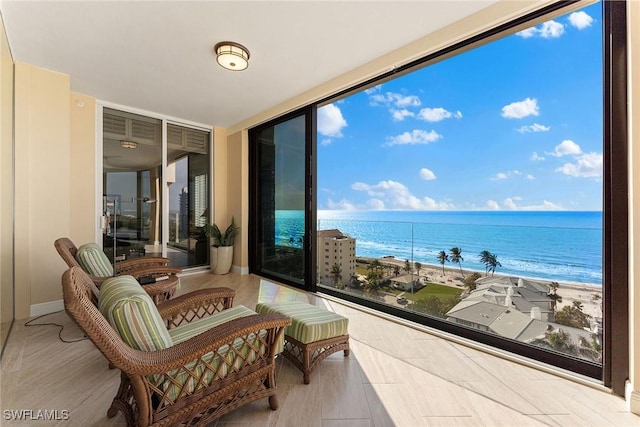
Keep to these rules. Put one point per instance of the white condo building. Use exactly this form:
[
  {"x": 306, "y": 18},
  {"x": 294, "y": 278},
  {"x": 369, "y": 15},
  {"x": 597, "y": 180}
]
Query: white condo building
[{"x": 335, "y": 248}]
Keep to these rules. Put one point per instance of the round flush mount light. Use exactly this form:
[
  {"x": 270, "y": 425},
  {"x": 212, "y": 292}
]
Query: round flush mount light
[
  {"x": 129, "y": 144},
  {"x": 232, "y": 56}
]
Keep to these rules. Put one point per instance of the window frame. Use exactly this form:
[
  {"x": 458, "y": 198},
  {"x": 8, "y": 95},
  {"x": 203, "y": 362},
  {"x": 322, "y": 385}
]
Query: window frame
[{"x": 614, "y": 369}]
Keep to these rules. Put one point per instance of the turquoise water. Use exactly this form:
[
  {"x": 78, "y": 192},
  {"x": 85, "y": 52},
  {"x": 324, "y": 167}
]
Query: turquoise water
[{"x": 561, "y": 246}]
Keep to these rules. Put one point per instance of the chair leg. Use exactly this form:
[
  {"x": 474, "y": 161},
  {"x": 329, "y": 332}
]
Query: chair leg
[{"x": 273, "y": 402}]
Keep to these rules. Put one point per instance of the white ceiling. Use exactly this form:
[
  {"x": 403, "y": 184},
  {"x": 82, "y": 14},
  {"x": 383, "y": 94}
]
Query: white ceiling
[{"x": 157, "y": 56}]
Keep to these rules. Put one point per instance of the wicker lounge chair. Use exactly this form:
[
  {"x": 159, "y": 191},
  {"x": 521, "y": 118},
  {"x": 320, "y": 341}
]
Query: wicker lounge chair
[
  {"x": 197, "y": 378},
  {"x": 144, "y": 267}
]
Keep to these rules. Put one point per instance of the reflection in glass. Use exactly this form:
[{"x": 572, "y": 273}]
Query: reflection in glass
[
  {"x": 132, "y": 168},
  {"x": 281, "y": 200},
  {"x": 188, "y": 180}
]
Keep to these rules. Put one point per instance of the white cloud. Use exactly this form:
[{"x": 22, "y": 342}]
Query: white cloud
[
  {"x": 330, "y": 121},
  {"x": 417, "y": 136},
  {"x": 343, "y": 204},
  {"x": 551, "y": 29},
  {"x": 504, "y": 175},
  {"x": 373, "y": 90},
  {"x": 513, "y": 203},
  {"x": 437, "y": 114},
  {"x": 536, "y": 157},
  {"x": 530, "y": 177},
  {"x": 392, "y": 98},
  {"x": 326, "y": 141},
  {"x": 580, "y": 20},
  {"x": 395, "y": 195},
  {"x": 509, "y": 204},
  {"x": 399, "y": 115},
  {"x": 520, "y": 109},
  {"x": 547, "y": 30},
  {"x": 588, "y": 165},
  {"x": 492, "y": 204},
  {"x": 375, "y": 204},
  {"x": 534, "y": 128},
  {"x": 566, "y": 148},
  {"x": 427, "y": 174}
]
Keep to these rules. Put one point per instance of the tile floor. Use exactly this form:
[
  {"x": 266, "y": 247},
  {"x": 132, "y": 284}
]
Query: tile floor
[{"x": 396, "y": 375}]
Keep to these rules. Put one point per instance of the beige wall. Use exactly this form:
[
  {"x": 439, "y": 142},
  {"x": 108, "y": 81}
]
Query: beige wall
[
  {"x": 82, "y": 189},
  {"x": 238, "y": 196},
  {"x": 42, "y": 198},
  {"x": 6, "y": 186},
  {"x": 634, "y": 202}
]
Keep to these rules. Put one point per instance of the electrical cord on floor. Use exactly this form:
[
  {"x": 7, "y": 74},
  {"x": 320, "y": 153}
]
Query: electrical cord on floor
[{"x": 28, "y": 323}]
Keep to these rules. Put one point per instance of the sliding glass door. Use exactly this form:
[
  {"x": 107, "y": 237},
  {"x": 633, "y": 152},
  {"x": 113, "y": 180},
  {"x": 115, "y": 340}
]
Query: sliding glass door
[
  {"x": 140, "y": 160},
  {"x": 188, "y": 181},
  {"x": 280, "y": 218},
  {"x": 132, "y": 176}
]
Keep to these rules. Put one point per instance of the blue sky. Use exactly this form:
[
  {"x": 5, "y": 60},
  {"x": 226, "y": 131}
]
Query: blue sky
[{"x": 513, "y": 125}]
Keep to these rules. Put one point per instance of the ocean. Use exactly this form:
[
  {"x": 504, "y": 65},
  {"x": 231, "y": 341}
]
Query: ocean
[{"x": 562, "y": 246}]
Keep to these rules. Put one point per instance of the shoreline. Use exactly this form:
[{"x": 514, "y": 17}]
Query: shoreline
[{"x": 589, "y": 294}]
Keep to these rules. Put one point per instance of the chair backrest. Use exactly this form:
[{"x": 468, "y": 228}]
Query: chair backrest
[
  {"x": 67, "y": 251},
  {"x": 80, "y": 296},
  {"x": 94, "y": 261}
]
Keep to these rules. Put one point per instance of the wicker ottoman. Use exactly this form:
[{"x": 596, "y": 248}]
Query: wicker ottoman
[{"x": 314, "y": 333}]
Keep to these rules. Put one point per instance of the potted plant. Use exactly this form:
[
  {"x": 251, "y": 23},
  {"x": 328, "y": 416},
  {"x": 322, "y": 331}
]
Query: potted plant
[{"x": 222, "y": 246}]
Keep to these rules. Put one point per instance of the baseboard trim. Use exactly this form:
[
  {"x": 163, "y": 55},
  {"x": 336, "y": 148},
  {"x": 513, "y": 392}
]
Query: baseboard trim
[
  {"x": 240, "y": 270},
  {"x": 634, "y": 402},
  {"x": 46, "y": 308}
]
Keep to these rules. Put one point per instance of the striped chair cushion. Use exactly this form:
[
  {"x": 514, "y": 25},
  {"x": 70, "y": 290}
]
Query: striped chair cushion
[
  {"x": 191, "y": 329},
  {"x": 93, "y": 260},
  {"x": 212, "y": 366},
  {"x": 308, "y": 322},
  {"x": 131, "y": 312}
]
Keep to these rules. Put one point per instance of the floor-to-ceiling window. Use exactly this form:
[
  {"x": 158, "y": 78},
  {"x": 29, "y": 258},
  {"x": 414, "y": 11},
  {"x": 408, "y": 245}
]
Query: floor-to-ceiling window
[
  {"x": 475, "y": 190},
  {"x": 142, "y": 173},
  {"x": 280, "y": 223}
]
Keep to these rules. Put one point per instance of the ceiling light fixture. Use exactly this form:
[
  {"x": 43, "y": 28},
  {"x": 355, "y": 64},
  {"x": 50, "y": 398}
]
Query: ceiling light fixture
[
  {"x": 232, "y": 56},
  {"x": 129, "y": 144}
]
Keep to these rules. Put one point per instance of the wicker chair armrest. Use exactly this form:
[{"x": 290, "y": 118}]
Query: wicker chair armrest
[
  {"x": 143, "y": 363},
  {"x": 98, "y": 281},
  {"x": 141, "y": 262},
  {"x": 196, "y": 305},
  {"x": 151, "y": 271}
]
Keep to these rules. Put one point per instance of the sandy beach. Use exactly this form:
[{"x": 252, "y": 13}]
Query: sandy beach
[{"x": 452, "y": 276}]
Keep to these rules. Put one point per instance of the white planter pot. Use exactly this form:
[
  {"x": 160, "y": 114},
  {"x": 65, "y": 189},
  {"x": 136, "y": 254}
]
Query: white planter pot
[{"x": 221, "y": 259}]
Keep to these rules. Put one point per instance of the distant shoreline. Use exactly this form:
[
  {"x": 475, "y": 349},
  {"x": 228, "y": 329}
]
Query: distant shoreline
[{"x": 426, "y": 266}]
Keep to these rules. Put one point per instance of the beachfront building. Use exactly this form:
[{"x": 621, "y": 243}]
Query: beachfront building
[
  {"x": 498, "y": 319},
  {"x": 406, "y": 282},
  {"x": 526, "y": 296},
  {"x": 335, "y": 248},
  {"x": 510, "y": 323}
]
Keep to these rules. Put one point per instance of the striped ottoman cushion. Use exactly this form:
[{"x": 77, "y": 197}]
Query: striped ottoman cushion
[
  {"x": 94, "y": 261},
  {"x": 308, "y": 322}
]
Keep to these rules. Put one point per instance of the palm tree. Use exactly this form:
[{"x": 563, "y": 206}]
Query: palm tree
[
  {"x": 484, "y": 258},
  {"x": 418, "y": 267},
  {"x": 396, "y": 270},
  {"x": 336, "y": 273},
  {"x": 442, "y": 258},
  {"x": 555, "y": 297},
  {"x": 407, "y": 266},
  {"x": 493, "y": 263},
  {"x": 456, "y": 258}
]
